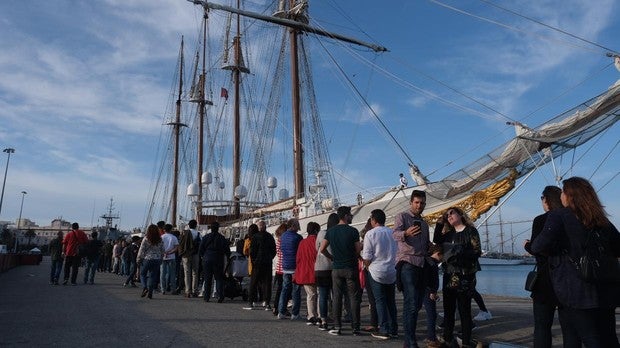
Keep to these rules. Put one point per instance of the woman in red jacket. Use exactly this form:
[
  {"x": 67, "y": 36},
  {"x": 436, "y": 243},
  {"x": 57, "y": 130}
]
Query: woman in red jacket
[{"x": 304, "y": 272}]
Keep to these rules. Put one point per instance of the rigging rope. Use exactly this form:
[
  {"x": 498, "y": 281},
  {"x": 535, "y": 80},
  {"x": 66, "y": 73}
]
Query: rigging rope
[
  {"x": 549, "y": 26},
  {"x": 552, "y": 100},
  {"x": 608, "y": 181},
  {"x": 604, "y": 159},
  {"x": 507, "y": 26},
  {"x": 372, "y": 111}
]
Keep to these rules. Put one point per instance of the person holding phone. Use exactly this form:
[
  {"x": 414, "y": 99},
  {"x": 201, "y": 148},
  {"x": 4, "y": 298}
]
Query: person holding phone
[{"x": 411, "y": 234}]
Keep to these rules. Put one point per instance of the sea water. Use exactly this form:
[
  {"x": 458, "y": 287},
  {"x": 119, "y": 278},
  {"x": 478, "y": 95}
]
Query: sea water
[{"x": 503, "y": 280}]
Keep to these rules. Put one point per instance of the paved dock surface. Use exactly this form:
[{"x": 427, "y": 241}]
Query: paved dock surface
[{"x": 34, "y": 313}]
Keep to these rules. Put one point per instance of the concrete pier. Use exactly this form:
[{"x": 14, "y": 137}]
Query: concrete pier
[{"x": 34, "y": 313}]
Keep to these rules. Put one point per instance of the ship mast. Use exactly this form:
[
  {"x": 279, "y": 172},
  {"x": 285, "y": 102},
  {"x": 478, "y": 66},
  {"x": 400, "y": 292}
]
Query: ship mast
[
  {"x": 296, "y": 28},
  {"x": 176, "y": 133},
  {"x": 298, "y": 159},
  {"x": 288, "y": 23},
  {"x": 237, "y": 67},
  {"x": 237, "y": 117},
  {"x": 201, "y": 116},
  {"x": 109, "y": 217}
]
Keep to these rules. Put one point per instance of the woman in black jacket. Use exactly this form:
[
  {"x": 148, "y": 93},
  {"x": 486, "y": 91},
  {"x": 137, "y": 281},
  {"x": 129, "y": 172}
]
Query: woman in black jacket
[
  {"x": 544, "y": 301},
  {"x": 461, "y": 249},
  {"x": 587, "y": 309}
]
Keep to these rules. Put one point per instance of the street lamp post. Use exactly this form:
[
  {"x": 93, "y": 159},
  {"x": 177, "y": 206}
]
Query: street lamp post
[
  {"x": 19, "y": 220},
  {"x": 9, "y": 151}
]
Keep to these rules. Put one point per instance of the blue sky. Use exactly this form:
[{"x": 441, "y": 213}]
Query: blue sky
[{"x": 85, "y": 84}]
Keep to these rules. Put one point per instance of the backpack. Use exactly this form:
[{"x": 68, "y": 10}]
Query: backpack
[
  {"x": 195, "y": 244},
  {"x": 597, "y": 264},
  {"x": 188, "y": 245}
]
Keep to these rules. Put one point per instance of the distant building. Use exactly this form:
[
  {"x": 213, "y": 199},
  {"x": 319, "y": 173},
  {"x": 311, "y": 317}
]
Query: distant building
[
  {"x": 24, "y": 223},
  {"x": 61, "y": 224}
]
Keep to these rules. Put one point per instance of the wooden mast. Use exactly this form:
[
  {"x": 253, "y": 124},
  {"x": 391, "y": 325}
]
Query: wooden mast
[
  {"x": 298, "y": 156},
  {"x": 237, "y": 68},
  {"x": 237, "y": 117},
  {"x": 177, "y": 132},
  {"x": 201, "y": 116}
]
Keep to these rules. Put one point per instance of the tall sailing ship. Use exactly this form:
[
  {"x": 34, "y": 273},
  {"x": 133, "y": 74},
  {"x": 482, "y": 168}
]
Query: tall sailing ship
[{"x": 233, "y": 117}]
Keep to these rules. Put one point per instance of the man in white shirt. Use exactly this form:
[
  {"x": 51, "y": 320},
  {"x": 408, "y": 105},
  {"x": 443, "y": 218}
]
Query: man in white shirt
[
  {"x": 168, "y": 279},
  {"x": 379, "y": 255}
]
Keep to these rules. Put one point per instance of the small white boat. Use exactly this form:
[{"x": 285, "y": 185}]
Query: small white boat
[{"x": 491, "y": 261}]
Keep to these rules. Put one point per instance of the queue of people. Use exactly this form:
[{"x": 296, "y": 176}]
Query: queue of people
[{"x": 333, "y": 265}]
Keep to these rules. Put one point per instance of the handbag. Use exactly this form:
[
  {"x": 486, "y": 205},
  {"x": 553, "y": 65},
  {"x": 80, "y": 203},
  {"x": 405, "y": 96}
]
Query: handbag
[{"x": 530, "y": 281}]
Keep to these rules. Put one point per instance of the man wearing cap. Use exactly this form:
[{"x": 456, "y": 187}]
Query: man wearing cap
[{"x": 344, "y": 241}]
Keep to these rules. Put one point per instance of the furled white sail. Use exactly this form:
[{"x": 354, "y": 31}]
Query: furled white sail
[{"x": 534, "y": 146}]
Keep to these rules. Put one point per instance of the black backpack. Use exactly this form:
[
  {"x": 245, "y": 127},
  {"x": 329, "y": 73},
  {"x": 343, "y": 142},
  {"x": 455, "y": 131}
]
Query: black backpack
[{"x": 597, "y": 264}]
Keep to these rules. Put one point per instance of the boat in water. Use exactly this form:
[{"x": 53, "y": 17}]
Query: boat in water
[
  {"x": 233, "y": 123},
  {"x": 499, "y": 259}
]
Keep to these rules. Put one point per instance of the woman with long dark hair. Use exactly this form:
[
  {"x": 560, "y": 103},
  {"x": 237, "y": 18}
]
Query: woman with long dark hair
[
  {"x": 460, "y": 242},
  {"x": 587, "y": 309},
  {"x": 544, "y": 301},
  {"x": 149, "y": 258}
]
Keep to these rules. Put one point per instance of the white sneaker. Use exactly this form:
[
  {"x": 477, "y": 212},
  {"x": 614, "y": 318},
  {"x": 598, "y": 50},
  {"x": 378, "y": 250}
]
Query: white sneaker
[
  {"x": 335, "y": 331},
  {"x": 482, "y": 316}
]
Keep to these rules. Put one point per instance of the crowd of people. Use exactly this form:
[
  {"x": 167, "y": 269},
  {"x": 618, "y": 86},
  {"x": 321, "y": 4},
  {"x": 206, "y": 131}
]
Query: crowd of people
[{"x": 335, "y": 264}]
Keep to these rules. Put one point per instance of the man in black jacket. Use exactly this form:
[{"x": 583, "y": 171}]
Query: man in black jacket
[
  {"x": 213, "y": 248},
  {"x": 262, "y": 252}
]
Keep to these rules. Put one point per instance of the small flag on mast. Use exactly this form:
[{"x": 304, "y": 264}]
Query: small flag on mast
[{"x": 224, "y": 93}]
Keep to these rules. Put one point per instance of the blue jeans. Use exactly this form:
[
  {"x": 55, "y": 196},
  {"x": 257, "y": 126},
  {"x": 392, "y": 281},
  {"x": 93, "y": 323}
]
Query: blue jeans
[
  {"x": 385, "y": 301},
  {"x": 91, "y": 268},
  {"x": 149, "y": 273},
  {"x": 412, "y": 278},
  {"x": 132, "y": 272},
  {"x": 430, "y": 306},
  {"x": 289, "y": 289},
  {"x": 324, "y": 292},
  {"x": 168, "y": 275},
  {"x": 55, "y": 271},
  {"x": 374, "y": 320}
]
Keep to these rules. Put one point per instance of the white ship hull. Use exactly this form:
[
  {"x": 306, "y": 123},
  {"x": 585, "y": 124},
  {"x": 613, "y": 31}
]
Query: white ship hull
[{"x": 488, "y": 261}]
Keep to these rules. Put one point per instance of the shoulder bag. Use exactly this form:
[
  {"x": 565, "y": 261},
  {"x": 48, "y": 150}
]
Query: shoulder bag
[{"x": 530, "y": 281}]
